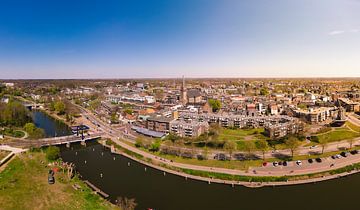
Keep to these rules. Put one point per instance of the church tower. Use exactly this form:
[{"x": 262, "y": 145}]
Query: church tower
[{"x": 183, "y": 92}]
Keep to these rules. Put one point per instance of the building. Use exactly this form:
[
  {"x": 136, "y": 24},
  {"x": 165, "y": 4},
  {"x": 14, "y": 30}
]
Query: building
[
  {"x": 349, "y": 105},
  {"x": 188, "y": 129},
  {"x": 316, "y": 115},
  {"x": 283, "y": 129},
  {"x": 194, "y": 96},
  {"x": 159, "y": 123},
  {"x": 183, "y": 96}
]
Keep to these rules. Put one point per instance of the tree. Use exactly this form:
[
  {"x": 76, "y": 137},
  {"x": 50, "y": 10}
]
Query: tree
[
  {"x": 230, "y": 146},
  {"x": 263, "y": 146},
  {"x": 29, "y": 127},
  {"x": 33, "y": 131},
  {"x": 215, "y": 104},
  {"x": 60, "y": 107},
  {"x": 351, "y": 141},
  {"x": 323, "y": 142},
  {"x": 52, "y": 153},
  {"x": 249, "y": 146},
  {"x": 293, "y": 144},
  {"x": 126, "y": 203},
  {"x": 264, "y": 91}
]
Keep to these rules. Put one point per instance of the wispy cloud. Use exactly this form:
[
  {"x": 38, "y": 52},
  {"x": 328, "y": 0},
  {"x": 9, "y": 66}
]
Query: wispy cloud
[
  {"x": 333, "y": 33},
  {"x": 338, "y": 32}
]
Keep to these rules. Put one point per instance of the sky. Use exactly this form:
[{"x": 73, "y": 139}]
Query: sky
[{"x": 63, "y": 39}]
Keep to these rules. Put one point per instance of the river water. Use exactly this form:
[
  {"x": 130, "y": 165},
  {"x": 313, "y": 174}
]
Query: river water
[
  {"x": 152, "y": 189},
  {"x": 51, "y": 126}
]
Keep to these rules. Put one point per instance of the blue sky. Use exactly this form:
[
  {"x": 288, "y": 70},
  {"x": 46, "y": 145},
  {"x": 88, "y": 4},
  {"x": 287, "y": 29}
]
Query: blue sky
[{"x": 170, "y": 38}]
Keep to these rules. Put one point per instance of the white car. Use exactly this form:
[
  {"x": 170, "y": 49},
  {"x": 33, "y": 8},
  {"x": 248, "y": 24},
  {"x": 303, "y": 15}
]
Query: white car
[
  {"x": 298, "y": 162},
  {"x": 275, "y": 164},
  {"x": 338, "y": 156}
]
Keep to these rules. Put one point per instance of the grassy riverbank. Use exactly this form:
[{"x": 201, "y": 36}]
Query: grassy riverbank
[
  {"x": 23, "y": 185},
  {"x": 241, "y": 178}
]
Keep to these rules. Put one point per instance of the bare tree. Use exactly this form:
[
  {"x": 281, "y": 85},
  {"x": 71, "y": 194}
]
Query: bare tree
[
  {"x": 263, "y": 146},
  {"x": 126, "y": 203},
  {"x": 230, "y": 146},
  {"x": 293, "y": 144}
]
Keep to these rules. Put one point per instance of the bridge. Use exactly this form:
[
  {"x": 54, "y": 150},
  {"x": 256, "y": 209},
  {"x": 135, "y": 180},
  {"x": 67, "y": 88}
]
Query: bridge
[
  {"x": 53, "y": 141},
  {"x": 33, "y": 105}
]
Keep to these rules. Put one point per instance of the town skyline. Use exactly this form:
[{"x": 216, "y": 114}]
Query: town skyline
[{"x": 166, "y": 39}]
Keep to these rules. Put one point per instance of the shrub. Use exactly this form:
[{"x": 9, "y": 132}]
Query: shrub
[{"x": 52, "y": 153}]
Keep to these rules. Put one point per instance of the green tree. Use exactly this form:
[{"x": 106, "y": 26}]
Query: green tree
[
  {"x": 292, "y": 143},
  {"x": 33, "y": 131},
  {"x": 52, "y": 153},
  {"x": 60, "y": 107},
  {"x": 230, "y": 146},
  {"x": 264, "y": 91},
  {"x": 215, "y": 104},
  {"x": 263, "y": 146}
]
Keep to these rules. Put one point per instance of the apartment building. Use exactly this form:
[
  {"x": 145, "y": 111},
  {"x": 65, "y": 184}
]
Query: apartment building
[{"x": 188, "y": 129}]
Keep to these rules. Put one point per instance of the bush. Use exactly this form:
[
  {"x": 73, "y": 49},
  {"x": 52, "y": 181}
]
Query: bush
[{"x": 52, "y": 153}]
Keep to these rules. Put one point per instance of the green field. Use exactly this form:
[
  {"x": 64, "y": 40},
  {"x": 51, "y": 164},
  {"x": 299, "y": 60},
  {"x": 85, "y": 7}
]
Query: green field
[
  {"x": 352, "y": 126},
  {"x": 338, "y": 135},
  {"x": 241, "y": 134},
  {"x": 23, "y": 185}
]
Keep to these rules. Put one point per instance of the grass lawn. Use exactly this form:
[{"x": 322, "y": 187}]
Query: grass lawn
[
  {"x": 13, "y": 133},
  {"x": 23, "y": 185},
  {"x": 241, "y": 134},
  {"x": 338, "y": 135},
  {"x": 352, "y": 126}
]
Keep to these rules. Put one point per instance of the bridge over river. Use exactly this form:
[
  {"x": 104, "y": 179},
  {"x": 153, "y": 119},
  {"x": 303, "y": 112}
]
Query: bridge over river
[{"x": 27, "y": 143}]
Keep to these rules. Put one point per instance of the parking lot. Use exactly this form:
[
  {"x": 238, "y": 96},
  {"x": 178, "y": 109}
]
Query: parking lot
[{"x": 309, "y": 165}]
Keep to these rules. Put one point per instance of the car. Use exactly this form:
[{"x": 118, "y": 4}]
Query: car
[
  {"x": 264, "y": 163},
  {"x": 285, "y": 163},
  {"x": 318, "y": 160},
  {"x": 337, "y": 156},
  {"x": 298, "y": 162},
  {"x": 312, "y": 147},
  {"x": 354, "y": 152},
  {"x": 333, "y": 156},
  {"x": 280, "y": 163},
  {"x": 344, "y": 154},
  {"x": 51, "y": 178},
  {"x": 310, "y": 160},
  {"x": 275, "y": 163}
]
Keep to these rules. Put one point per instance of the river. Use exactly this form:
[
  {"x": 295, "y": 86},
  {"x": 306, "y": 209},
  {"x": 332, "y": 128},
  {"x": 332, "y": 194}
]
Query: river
[
  {"x": 51, "y": 126},
  {"x": 152, "y": 189}
]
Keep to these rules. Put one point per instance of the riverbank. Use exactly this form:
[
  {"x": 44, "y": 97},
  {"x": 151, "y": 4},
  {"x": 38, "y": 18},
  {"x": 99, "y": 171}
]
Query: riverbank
[
  {"x": 24, "y": 185},
  {"x": 233, "y": 179}
]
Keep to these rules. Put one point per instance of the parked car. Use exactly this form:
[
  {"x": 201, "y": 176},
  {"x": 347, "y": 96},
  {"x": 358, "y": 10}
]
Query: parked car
[
  {"x": 310, "y": 160},
  {"x": 333, "y": 156},
  {"x": 51, "y": 178},
  {"x": 338, "y": 156},
  {"x": 312, "y": 147},
  {"x": 298, "y": 162},
  {"x": 344, "y": 154},
  {"x": 264, "y": 163},
  {"x": 354, "y": 152},
  {"x": 275, "y": 163},
  {"x": 318, "y": 160},
  {"x": 285, "y": 163}
]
